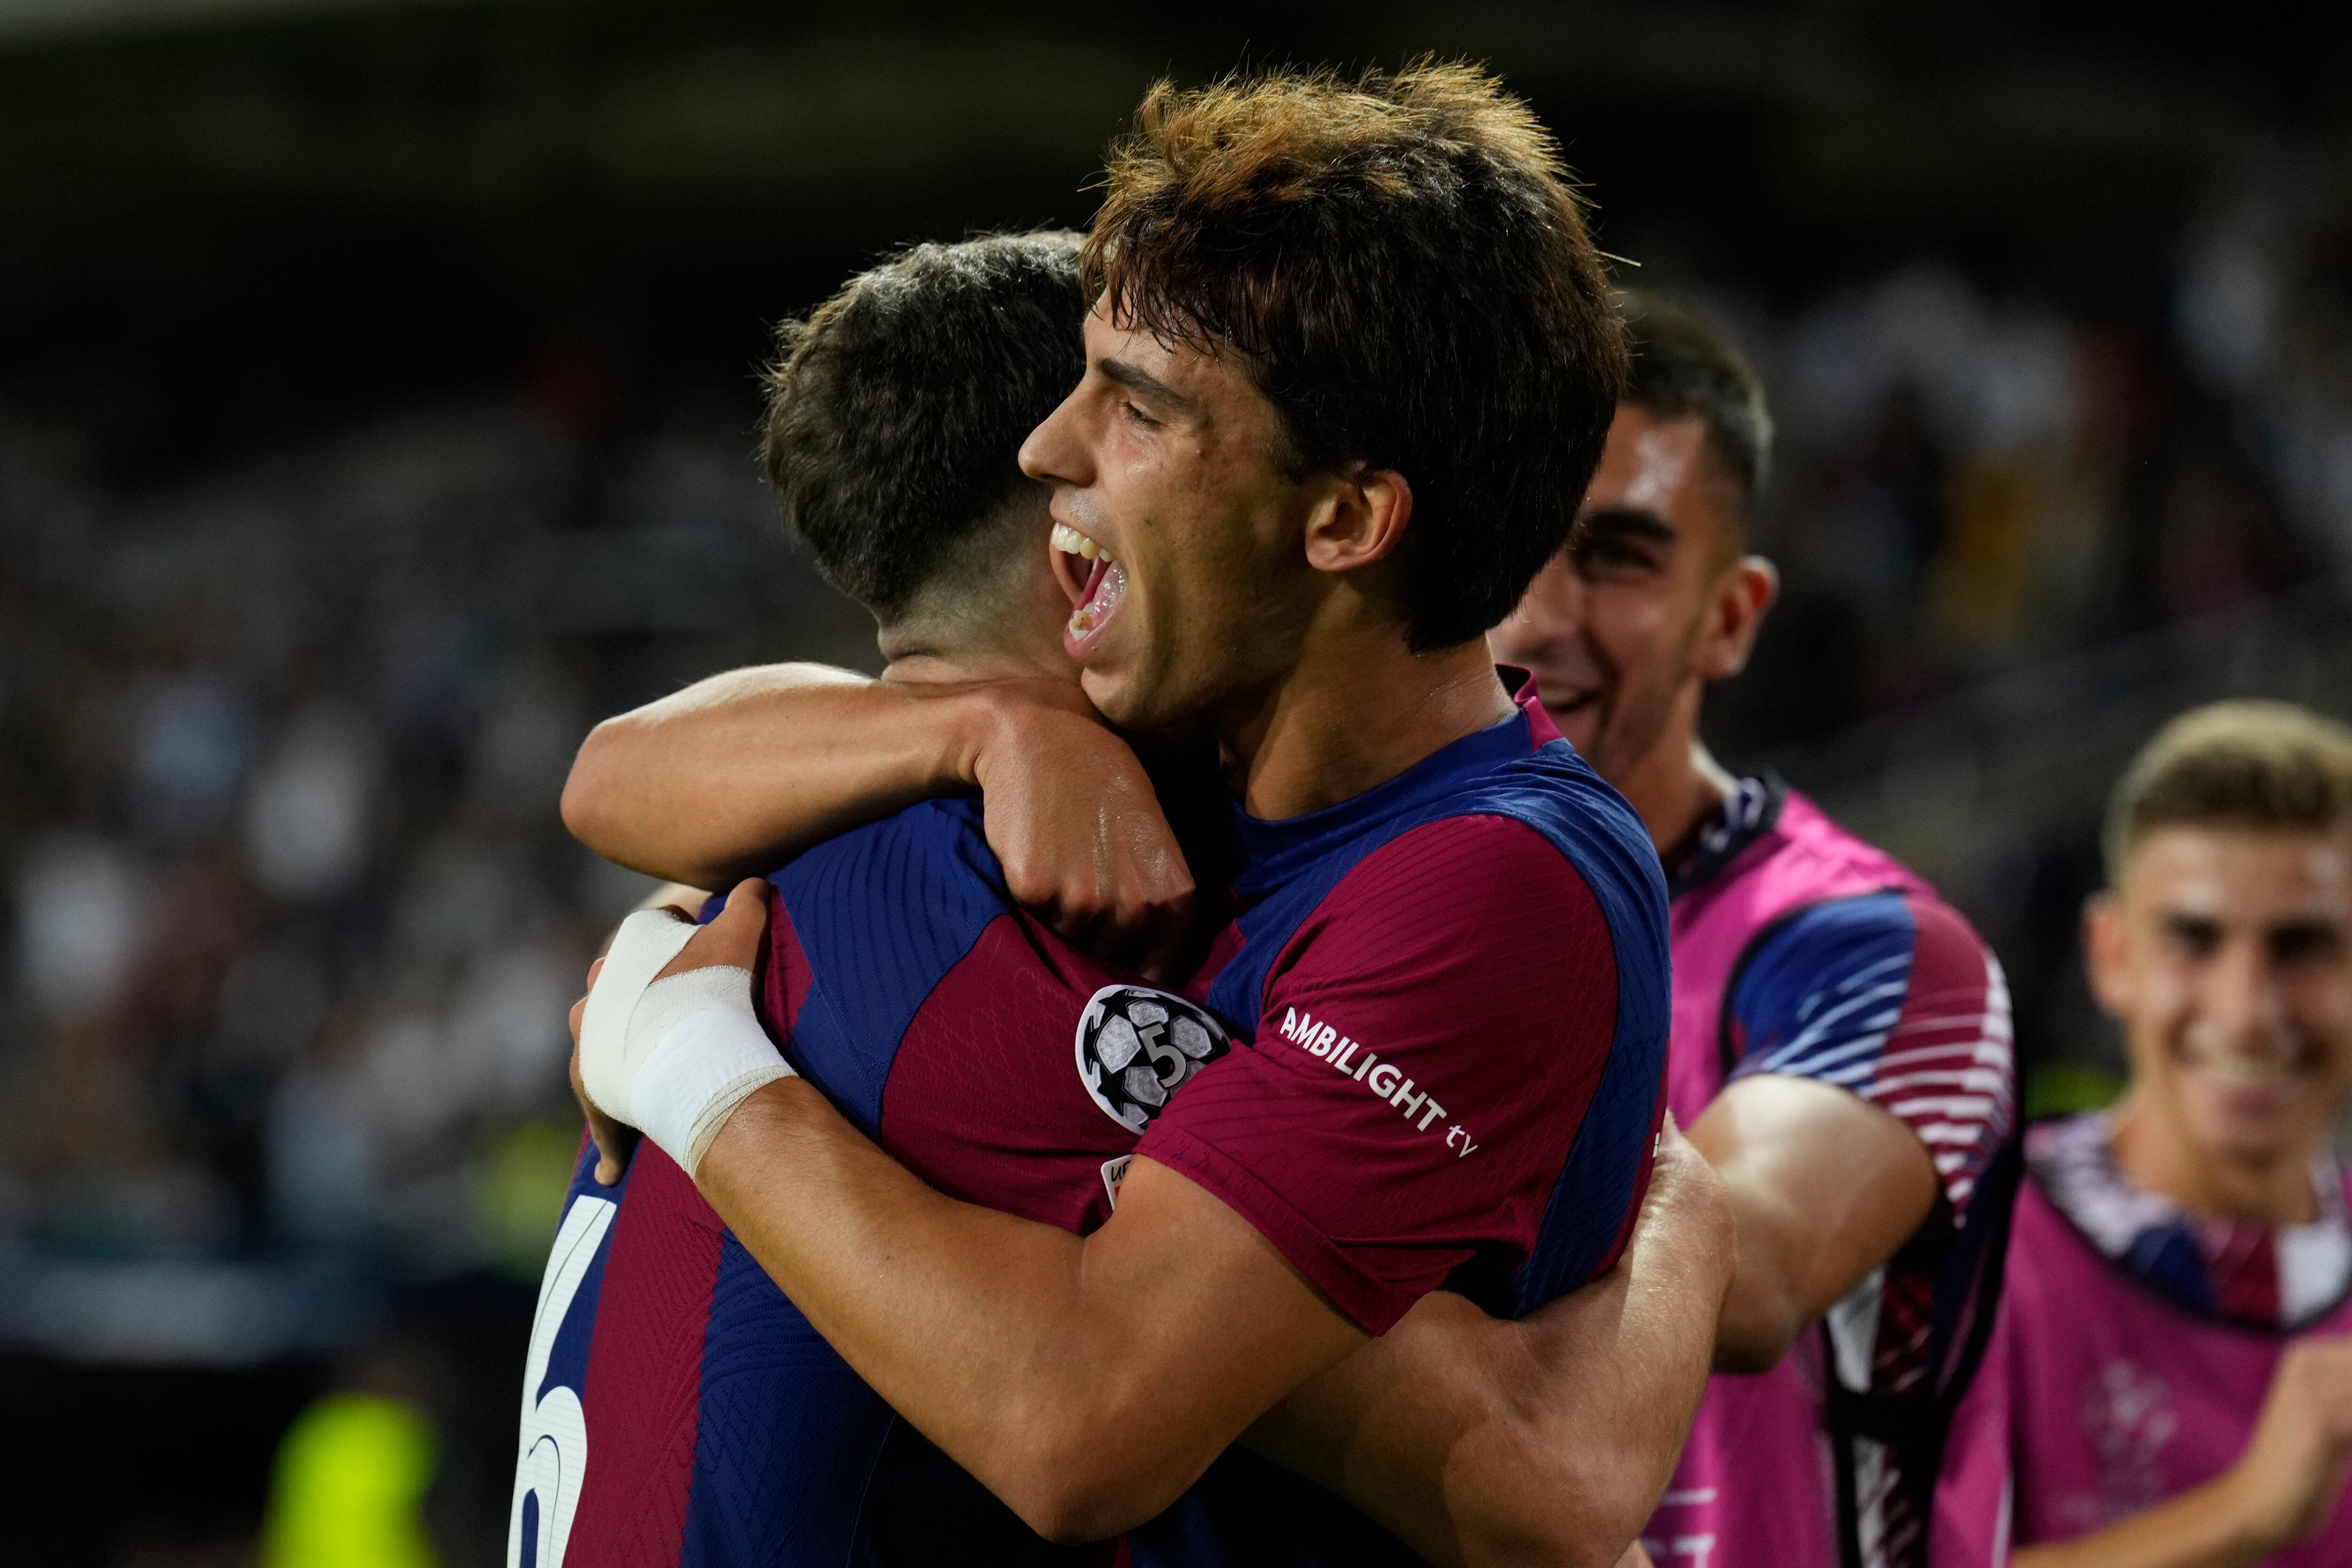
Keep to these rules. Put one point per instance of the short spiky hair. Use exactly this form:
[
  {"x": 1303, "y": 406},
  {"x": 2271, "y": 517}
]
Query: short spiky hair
[
  {"x": 1681, "y": 365},
  {"x": 897, "y": 410},
  {"x": 1401, "y": 263},
  {"x": 2245, "y": 764}
]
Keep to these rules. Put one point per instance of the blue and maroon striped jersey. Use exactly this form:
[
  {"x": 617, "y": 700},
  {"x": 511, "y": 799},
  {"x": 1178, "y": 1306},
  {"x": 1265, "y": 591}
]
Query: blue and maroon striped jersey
[{"x": 1428, "y": 1053}]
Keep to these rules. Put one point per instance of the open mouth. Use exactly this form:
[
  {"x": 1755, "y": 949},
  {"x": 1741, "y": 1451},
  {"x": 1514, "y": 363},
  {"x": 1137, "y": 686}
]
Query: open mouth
[
  {"x": 1096, "y": 583},
  {"x": 1569, "y": 702}
]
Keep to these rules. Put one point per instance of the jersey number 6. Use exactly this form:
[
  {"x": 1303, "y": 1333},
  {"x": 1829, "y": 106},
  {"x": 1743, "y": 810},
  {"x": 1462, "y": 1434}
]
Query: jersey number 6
[{"x": 555, "y": 1452}]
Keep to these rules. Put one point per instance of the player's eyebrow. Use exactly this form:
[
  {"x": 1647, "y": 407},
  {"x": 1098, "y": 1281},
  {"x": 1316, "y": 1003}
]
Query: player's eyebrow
[
  {"x": 1149, "y": 385},
  {"x": 1629, "y": 520}
]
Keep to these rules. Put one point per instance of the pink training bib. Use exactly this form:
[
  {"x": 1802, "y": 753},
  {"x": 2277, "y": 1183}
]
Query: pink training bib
[
  {"x": 2119, "y": 1398},
  {"x": 1758, "y": 1483}
]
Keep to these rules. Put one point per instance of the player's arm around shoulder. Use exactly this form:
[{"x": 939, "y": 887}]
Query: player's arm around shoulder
[
  {"x": 700, "y": 785},
  {"x": 1878, "y": 1076},
  {"x": 1548, "y": 1439},
  {"x": 737, "y": 774}
]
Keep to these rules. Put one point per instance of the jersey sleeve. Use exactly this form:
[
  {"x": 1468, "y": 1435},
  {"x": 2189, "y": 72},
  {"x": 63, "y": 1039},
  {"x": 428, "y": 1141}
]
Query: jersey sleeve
[
  {"x": 1893, "y": 997},
  {"x": 1431, "y": 1039}
]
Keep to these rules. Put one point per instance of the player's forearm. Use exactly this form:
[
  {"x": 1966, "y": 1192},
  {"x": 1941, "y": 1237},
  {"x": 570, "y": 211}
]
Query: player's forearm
[
  {"x": 1619, "y": 1372},
  {"x": 2202, "y": 1528},
  {"x": 1764, "y": 1310},
  {"x": 736, "y": 774},
  {"x": 1422, "y": 1431},
  {"x": 1546, "y": 1440},
  {"x": 1823, "y": 1188},
  {"x": 976, "y": 1326}
]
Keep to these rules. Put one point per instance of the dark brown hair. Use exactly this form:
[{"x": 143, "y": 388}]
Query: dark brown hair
[
  {"x": 1681, "y": 365},
  {"x": 897, "y": 410},
  {"x": 2246, "y": 764},
  {"x": 1401, "y": 262}
]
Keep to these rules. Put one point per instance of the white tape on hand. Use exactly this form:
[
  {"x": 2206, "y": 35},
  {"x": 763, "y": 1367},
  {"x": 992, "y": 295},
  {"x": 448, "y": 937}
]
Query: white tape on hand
[
  {"x": 671, "y": 1057},
  {"x": 642, "y": 948}
]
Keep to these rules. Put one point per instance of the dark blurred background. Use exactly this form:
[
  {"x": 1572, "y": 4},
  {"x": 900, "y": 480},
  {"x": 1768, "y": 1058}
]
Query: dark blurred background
[{"x": 376, "y": 396}]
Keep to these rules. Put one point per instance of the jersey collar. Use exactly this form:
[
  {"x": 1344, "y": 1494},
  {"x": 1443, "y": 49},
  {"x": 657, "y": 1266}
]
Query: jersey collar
[
  {"x": 2225, "y": 1270},
  {"x": 1747, "y": 814},
  {"x": 1274, "y": 851}
]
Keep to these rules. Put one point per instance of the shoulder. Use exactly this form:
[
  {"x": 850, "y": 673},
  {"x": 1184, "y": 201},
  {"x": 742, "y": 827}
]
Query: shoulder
[
  {"x": 1547, "y": 819},
  {"x": 1463, "y": 883},
  {"x": 932, "y": 845},
  {"x": 1471, "y": 927},
  {"x": 1891, "y": 933},
  {"x": 1556, "y": 792},
  {"x": 1827, "y": 987},
  {"x": 905, "y": 895},
  {"x": 940, "y": 828},
  {"x": 1893, "y": 996},
  {"x": 864, "y": 928}
]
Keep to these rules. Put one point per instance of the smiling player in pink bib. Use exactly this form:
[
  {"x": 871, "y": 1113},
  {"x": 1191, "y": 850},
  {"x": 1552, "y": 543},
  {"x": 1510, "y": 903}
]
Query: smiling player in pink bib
[
  {"x": 2171, "y": 1358},
  {"x": 1840, "y": 1037}
]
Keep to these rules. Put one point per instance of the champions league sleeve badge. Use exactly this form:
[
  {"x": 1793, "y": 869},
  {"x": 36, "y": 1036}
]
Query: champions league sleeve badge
[{"x": 1137, "y": 1047}]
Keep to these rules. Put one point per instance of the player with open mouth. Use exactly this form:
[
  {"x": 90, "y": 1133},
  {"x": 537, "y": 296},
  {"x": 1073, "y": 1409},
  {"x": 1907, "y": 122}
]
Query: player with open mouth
[{"x": 1308, "y": 529}]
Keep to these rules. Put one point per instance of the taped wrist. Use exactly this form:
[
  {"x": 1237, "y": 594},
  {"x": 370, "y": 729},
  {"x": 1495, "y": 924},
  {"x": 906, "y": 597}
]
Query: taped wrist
[
  {"x": 671, "y": 1057},
  {"x": 704, "y": 1051}
]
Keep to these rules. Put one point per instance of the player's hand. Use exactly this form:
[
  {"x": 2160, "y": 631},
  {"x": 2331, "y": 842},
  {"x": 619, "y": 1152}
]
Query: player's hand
[
  {"x": 1072, "y": 817},
  {"x": 614, "y": 1143},
  {"x": 2287, "y": 1483},
  {"x": 731, "y": 940}
]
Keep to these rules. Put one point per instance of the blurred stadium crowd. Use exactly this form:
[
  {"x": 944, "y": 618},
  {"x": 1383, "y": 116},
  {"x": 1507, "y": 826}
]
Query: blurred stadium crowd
[
  {"x": 1975, "y": 476},
  {"x": 292, "y": 924},
  {"x": 295, "y": 923}
]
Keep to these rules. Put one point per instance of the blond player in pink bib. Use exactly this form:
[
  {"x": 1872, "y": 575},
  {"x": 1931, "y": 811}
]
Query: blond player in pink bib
[
  {"x": 1840, "y": 1037},
  {"x": 2171, "y": 1368}
]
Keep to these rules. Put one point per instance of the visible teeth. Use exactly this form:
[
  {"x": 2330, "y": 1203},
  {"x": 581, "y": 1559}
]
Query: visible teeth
[{"x": 1069, "y": 541}]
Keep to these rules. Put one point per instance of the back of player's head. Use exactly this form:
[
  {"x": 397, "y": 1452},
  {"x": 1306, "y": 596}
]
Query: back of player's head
[
  {"x": 896, "y": 409},
  {"x": 1680, "y": 365},
  {"x": 1403, "y": 266},
  {"x": 2247, "y": 764}
]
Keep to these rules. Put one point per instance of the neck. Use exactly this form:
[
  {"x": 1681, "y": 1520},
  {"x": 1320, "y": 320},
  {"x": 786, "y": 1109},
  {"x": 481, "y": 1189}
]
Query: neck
[
  {"x": 939, "y": 639},
  {"x": 1676, "y": 784},
  {"x": 945, "y": 665},
  {"x": 2154, "y": 1149},
  {"x": 1357, "y": 709}
]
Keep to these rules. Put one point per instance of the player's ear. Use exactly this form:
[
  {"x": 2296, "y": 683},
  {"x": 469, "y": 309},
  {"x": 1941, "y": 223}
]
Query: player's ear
[
  {"x": 2106, "y": 956},
  {"x": 1358, "y": 520},
  {"x": 1743, "y": 591}
]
